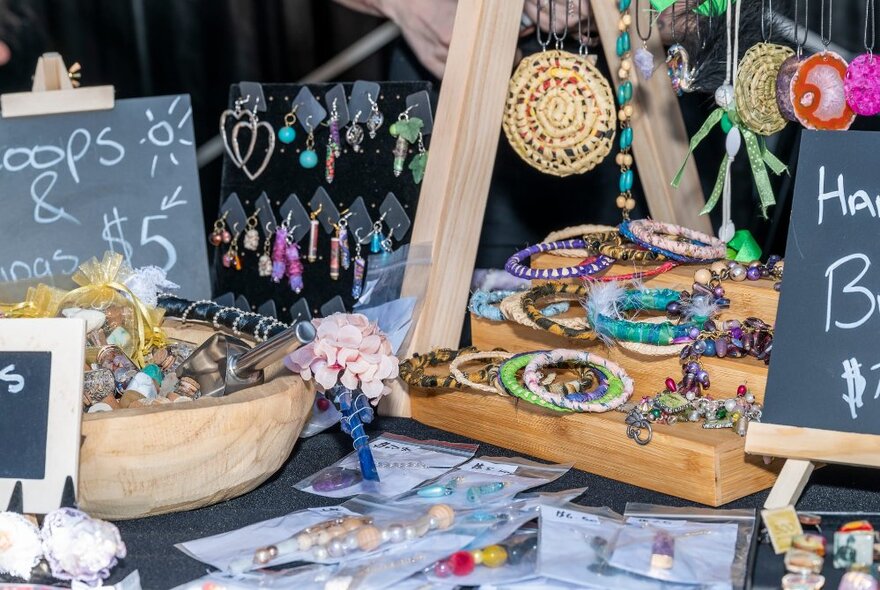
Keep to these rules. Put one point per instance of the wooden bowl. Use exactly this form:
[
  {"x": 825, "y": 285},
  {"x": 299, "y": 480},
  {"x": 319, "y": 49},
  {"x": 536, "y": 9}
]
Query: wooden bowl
[{"x": 174, "y": 457}]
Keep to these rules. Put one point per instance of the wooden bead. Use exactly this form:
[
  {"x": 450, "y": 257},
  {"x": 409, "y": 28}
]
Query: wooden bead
[
  {"x": 627, "y": 160},
  {"x": 621, "y": 202},
  {"x": 718, "y": 266},
  {"x": 626, "y": 64},
  {"x": 623, "y": 74},
  {"x": 621, "y": 115},
  {"x": 622, "y": 26},
  {"x": 444, "y": 515},
  {"x": 368, "y": 538},
  {"x": 626, "y": 19},
  {"x": 629, "y": 110},
  {"x": 630, "y": 204},
  {"x": 618, "y": 159},
  {"x": 703, "y": 276}
]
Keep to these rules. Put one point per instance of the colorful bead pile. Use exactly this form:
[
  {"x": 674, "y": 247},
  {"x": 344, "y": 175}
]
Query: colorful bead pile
[{"x": 464, "y": 562}]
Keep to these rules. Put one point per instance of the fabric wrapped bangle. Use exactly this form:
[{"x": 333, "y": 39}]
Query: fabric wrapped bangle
[
  {"x": 516, "y": 267},
  {"x": 485, "y": 304},
  {"x": 412, "y": 370},
  {"x": 613, "y": 245},
  {"x": 617, "y": 394},
  {"x": 577, "y": 231},
  {"x": 531, "y": 310},
  {"x": 608, "y": 322},
  {"x": 673, "y": 241},
  {"x": 462, "y": 379},
  {"x": 512, "y": 309}
]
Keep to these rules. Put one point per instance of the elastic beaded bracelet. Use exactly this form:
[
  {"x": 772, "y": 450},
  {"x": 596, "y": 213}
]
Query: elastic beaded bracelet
[
  {"x": 485, "y": 304},
  {"x": 516, "y": 267},
  {"x": 531, "y": 310},
  {"x": 512, "y": 310},
  {"x": 682, "y": 244},
  {"x": 577, "y": 231},
  {"x": 463, "y": 380},
  {"x": 412, "y": 370},
  {"x": 607, "y": 323},
  {"x": 723, "y": 270},
  {"x": 617, "y": 394}
]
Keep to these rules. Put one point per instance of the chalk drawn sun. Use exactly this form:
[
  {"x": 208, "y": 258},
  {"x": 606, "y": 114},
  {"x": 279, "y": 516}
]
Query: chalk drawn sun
[{"x": 162, "y": 134}]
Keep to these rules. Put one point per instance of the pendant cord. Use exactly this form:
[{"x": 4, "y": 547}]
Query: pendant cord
[
  {"x": 643, "y": 38},
  {"x": 584, "y": 48},
  {"x": 767, "y": 36},
  {"x": 541, "y": 42},
  {"x": 826, "y": 41},
  {"x": 800, "y": 42},
  {"x": 870, "y": 16}
]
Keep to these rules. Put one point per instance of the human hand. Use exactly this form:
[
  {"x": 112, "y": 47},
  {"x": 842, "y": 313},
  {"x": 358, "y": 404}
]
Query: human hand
[{"x": 427, "y": 27}]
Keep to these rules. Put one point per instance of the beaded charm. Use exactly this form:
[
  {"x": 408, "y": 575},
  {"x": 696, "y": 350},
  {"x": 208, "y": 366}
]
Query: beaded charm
[
  {"x": 294, "y": 267},
  {"x": 344, "y": 250},
  {"x": 360, "y": 265},
  {"x": 308, "y": 158},
  {"x": 220, "y": 234},
  {"x": 287, "y": 134},
  {"x": 251, "y": 235},
  {"x": 313, "y": 234},
  {"x": 333, "y": 148},
  {"x": 334, "y": 258},
  {"x": 264, "y": 265},
  {"x": 355, "y": 135},
  {"x": 407, "y": 130},
  {"x": 278, "y": 253}
]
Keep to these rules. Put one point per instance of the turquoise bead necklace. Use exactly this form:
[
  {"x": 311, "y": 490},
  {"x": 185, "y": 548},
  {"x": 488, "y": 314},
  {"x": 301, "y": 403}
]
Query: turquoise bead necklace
[{"x": 625, "y": 201}]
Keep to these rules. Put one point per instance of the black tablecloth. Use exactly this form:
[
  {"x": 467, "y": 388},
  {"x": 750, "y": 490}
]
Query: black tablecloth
[{"x": 150, "y": 540}]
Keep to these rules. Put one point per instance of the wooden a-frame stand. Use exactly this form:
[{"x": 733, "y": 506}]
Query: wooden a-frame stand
[{"x": 463, "y": 147}]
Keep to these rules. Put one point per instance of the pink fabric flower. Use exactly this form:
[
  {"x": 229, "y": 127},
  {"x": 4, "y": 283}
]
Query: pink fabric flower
[{"x": 350, "y": 350}]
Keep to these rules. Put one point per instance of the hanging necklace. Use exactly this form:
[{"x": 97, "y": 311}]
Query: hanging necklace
[
  {"x": 678, "y": 63},
  {"x": 789, "y": 67},
  {"x": 756, "y": 82},
  {"x": 560, "y": 111},
  {"x": 862, "y": 82},
  {"x": 625, "y": 201},
  {"x": 817, "y": 89},
  {"x": 643, "y": 58}
]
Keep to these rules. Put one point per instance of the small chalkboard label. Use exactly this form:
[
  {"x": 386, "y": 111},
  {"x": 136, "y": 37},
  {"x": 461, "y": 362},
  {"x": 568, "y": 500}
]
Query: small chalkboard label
[
  {"x": 825, "y": 369},
  {"x": 41, "y": 381},
  {"x": 77, "y": 184}
]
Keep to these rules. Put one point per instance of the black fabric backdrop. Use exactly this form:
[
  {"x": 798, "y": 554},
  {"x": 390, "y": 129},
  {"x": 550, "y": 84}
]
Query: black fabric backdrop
[{"x": 150, "y": 540}]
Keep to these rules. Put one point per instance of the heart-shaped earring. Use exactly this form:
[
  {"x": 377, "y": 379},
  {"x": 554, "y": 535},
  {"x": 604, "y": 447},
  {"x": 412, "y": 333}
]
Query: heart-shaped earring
[
  {"x": 237, "y": 113},
  {"x": 254, "y": 124}
]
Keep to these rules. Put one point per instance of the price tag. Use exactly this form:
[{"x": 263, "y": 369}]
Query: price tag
[
  {"x": 482, "y": 466},
  {"x": 556, "y": 514},
  {"x": 385, "y": 445},
  {"x": 332, "y": 511},
  {"x": 657, "y": 522}
]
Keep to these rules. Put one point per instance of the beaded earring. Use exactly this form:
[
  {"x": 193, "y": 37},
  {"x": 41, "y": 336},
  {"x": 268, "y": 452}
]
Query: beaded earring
[
  {"x": 231, "y": 259},
  {"x": 221, "y": 234},
  {"x": 376, "y": 118},
  {"x": 308, "y": 158},
  {"x": 287, "y": 134},
  {"x": 279, "y": 250},
  {"x": 407, "y": 130},
  {"x": 333, "y": 148},
  {"x": 377, "y": 236},
  {"x": 294, "y": 266},
  {"x": 342, "y": 236},
  {"x": 419, "y": 161},
  {"x": 264, "y": 265},
  {"x": 355, "y": 135},
  {"x": 314, "y": 225},
  {"x": 360, "y": 266},
  {"x": 251, "y": 235}
]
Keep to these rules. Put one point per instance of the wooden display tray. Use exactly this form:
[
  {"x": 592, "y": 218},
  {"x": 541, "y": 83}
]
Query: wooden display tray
[{"x": 684, "y": 460}]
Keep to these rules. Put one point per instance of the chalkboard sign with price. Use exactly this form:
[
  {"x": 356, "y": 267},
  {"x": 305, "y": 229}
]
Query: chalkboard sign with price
[
  {"x": 823, "y": 390},
  {"x": 75, "y": 185}
]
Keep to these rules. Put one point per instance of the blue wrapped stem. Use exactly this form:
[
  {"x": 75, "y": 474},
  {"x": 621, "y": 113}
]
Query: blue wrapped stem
[{"x": 356, "y": 411}]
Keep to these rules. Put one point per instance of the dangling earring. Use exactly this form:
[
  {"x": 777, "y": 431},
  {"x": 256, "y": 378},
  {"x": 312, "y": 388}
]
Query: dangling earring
[
  {"x": 376, "y": 240},
  {"x": 294, "y": 264},
  {"x": 407, "y": 130},
  {"x": 342, "y": 236},
  {"x": 333, "y": 148},
  {"x": 309, "y": 158},
  {"x": 251, "y": 235},
  {"x": 360, "y": 265},
  {"x": 231, "y": 259},
  {"x": 279, "y": 249},
  {"x": 221, "y": 234},
  {"x": 355, "y": 135},
  {"x": 313, "y": 233},
  {"x": 287, "y": 134},
  {"x": 419, "y": 162},
  {"x": 236, "y": 113},
  {"x": 387, "y": 243},
  {"x": 376, "y": 118},
  {"x": 264, "y": 265},
  {"x": 254, "y": 124}
]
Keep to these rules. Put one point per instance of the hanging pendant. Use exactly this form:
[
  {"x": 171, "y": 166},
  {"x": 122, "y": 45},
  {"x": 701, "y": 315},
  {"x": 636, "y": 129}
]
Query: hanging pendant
[
  {"x": 355, "y": 137},
  {"x": 678, "y": 66},
  {"x": 375, "y": 120},
  {"x": 560, "y": 116},
  {"x": 644, "y": 62},
  {"x": 376, "y": 242},
  {"x": 334, "y": 258},
  {"x": 344, "y": 251},
  {"x": 313, "y": 240},
  {"x": 333, "y": 150},
  {"x": 278, "y": 254},
  {"x": 294, "y": 267},
  {"x": 818, "y": 93},
  {"x": 862, "y": 85},
  {"x": 755, "y": 90},
  {"x": 251, "y": 240},
  {"x": 264, "y": 266},
  {"x": 783, "y": 87},
  {"x": 357, "y": 285},
  {"x": 407, "y": 130}
]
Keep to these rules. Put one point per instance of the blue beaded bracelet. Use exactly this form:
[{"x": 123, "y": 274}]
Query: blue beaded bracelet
[{"x": 485, "y": 305}]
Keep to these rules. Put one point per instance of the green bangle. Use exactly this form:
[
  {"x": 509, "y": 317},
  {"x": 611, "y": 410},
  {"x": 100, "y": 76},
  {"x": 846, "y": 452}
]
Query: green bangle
[{"x": 513, "y": 386}]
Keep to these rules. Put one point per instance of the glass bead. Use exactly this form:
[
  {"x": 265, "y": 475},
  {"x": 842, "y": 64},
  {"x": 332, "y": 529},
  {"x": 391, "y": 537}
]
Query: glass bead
[
  {"x": 753, "y": 273},
  {"x": 710, "y": 348},
  {"x": 626, "y": 137},
  {"x": 726, "y": 124},
  {"x": 462, "y": 563},
  {"x": 443, "y": 569},
  {"x": 623, "y": 5},
  {"x": 286, "y": 134},
  {"x": 308, "y": 159},
  {"x": 494, "y": 556}
]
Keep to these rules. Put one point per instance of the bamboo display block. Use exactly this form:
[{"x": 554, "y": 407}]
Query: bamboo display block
[{"x": 684, "y": 460}]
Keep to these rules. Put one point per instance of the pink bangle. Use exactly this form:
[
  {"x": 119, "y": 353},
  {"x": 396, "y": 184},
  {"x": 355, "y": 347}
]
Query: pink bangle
[
  {"x": 532, "y": 380},
  {"x": 698, "y": 245}
]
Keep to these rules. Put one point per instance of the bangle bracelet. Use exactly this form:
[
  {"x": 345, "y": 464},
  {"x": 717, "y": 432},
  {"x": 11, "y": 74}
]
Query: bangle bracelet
[
  {"x": 617, "y": 393},
  {"x": 605, "y": 317},
  {"x": 516, "y": 267},
  {"x": 634, "y": 276},
  {"x": 673, "y": 241},
  {"x": 512, "y": 309},
  {"x": 577, "y": 231},
  {"x": 412, "y": 370},
  {"x": 463, "y": 380},
  {"x": 613, "y": 245},
  {"x": 486, "y": 304},
  {"x": 544, "y": 323}
]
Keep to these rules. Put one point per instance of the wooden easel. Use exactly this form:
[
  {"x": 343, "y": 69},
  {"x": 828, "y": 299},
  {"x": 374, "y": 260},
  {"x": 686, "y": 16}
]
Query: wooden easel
[
  {"x": 53, "y": 92},
  {"x": 803, "y": 449},
  {"x": 463, "y": 148}
]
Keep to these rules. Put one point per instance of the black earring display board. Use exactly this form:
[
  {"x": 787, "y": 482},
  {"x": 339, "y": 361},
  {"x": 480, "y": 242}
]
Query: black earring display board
[{"x": 368, "y": 174}]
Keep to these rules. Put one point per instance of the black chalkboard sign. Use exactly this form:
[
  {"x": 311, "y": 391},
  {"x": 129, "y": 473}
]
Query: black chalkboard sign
[
  {"x": 825, "y": 372},
  {"x": 75, "y": 185},
  {"x": 24, "y": 397}
]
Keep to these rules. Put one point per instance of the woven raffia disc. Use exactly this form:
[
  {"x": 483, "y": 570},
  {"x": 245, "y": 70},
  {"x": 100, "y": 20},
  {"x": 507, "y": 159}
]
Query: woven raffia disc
[
  {"x": 560, "y": 115},
  {"x": 755, "y": 89}
]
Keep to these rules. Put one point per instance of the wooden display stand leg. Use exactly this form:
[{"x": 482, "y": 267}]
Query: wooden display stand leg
[{"x": 790, "y": 484}]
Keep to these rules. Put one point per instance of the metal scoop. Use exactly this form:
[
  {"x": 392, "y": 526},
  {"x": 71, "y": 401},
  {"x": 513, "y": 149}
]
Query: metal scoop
[{"x": 225, "y": 364}]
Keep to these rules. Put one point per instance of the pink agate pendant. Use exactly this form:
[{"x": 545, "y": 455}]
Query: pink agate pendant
[{"x": 862, "y": 85}]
